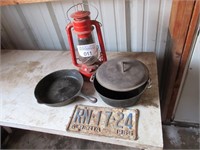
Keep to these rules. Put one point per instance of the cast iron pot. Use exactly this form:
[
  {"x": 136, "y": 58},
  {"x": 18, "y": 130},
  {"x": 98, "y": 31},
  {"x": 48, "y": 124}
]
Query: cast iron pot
[
  {"x": 119, "y": 99},
  {"x": 120, "y": 82}
]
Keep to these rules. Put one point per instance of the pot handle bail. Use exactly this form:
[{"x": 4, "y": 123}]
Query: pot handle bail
[{"x": 149, "y": 84}]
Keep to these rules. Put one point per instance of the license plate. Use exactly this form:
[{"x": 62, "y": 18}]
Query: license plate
[{"x": 110, "y": 122}]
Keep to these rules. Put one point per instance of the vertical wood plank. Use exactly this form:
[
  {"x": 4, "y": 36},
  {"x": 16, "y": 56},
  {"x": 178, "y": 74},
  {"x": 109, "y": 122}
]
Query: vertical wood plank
[
  {"x": 120, "y": 17},
  {"x": 56, "y": 25},
  {"x": 48, "y": 24},
  {"x": 23, "y": 18},
  {"x": 136, "y": 24},
  {"x": 192, "y": 32},
  {"x": 16, "y": 28},
  {"x": 178, "y": 28},
  {"x": 163, "y": 24},
  {"x": 40, "y": 22},
  {"x": 109, "y": 24},
  {"x": 60, "y": 15},
  {"x": 5, "y": 39},
  {"x": 92, "y": 4},
  {"x": 9, "y": 32},
  {"x": 151, "y": 13},
  {"x": 37, "y": 24}
]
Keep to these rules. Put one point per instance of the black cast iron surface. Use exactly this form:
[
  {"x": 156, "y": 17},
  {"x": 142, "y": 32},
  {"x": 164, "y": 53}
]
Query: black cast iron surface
[{"x": 59, "y": 88}]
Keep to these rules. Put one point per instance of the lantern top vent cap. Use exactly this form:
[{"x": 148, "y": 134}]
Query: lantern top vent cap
[{"x": 80, "y": 14}]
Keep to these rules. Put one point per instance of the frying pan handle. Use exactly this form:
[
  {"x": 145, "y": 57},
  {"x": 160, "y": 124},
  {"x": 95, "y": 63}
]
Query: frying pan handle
[{"x": 89, "y": 98}]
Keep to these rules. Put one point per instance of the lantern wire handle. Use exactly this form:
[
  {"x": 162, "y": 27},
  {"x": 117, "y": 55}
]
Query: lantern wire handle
[{"x": 81, "y": 4}]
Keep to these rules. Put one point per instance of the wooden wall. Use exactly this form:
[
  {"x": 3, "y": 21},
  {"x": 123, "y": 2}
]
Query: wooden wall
[
  {"x": 127, "y": 25},
  {"x": 182, "y": 31}
]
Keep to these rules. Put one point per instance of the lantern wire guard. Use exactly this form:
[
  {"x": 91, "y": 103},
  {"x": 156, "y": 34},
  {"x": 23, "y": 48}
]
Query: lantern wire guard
[
  {"x": 83, "y": 26},
  {"x": 81, "y": 6}
]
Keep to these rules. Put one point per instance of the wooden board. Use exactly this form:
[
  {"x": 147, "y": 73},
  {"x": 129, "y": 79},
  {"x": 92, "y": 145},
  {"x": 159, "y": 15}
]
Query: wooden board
[
  {"x": 16, "y": 2},
  {"x": 151, "y": 9},
  {"x": 137, "y": 24},
  {"x": 185, "y": 55},
  {"x": 181, "y": 14}
]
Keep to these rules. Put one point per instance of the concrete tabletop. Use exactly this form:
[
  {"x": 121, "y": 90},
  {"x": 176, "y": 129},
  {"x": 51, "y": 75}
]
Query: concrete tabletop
[{"x": 21, "y": 70}]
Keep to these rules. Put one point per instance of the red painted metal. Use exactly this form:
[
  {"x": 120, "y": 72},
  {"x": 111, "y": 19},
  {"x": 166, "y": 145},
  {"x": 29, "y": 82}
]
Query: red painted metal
[
  {"x": 80, "y": 15},
  {"x": 82, "y": 23},
  {"x": 71, "y": 44},
  {"x": 83, "y": 27},
  {"x": 87, "y": 71}
]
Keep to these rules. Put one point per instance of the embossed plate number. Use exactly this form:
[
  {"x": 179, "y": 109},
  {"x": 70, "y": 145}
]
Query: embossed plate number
[{"x": 111, "y": 122}]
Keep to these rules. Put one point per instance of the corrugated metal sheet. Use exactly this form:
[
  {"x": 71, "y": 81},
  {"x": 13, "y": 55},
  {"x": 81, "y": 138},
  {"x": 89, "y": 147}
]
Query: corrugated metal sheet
[{"x": 128, "y": 25}]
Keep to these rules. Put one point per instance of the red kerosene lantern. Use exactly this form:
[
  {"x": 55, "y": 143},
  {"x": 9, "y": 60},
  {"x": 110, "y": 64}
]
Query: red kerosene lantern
[{"x": 83, "y": 26}]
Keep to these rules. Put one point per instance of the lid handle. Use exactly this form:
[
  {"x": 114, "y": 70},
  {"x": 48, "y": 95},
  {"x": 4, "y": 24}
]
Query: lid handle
[{"x": 125, "y": 66}]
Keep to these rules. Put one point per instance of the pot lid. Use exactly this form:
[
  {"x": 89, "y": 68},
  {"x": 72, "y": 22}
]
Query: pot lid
[{"x": 122, "y": 74}]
